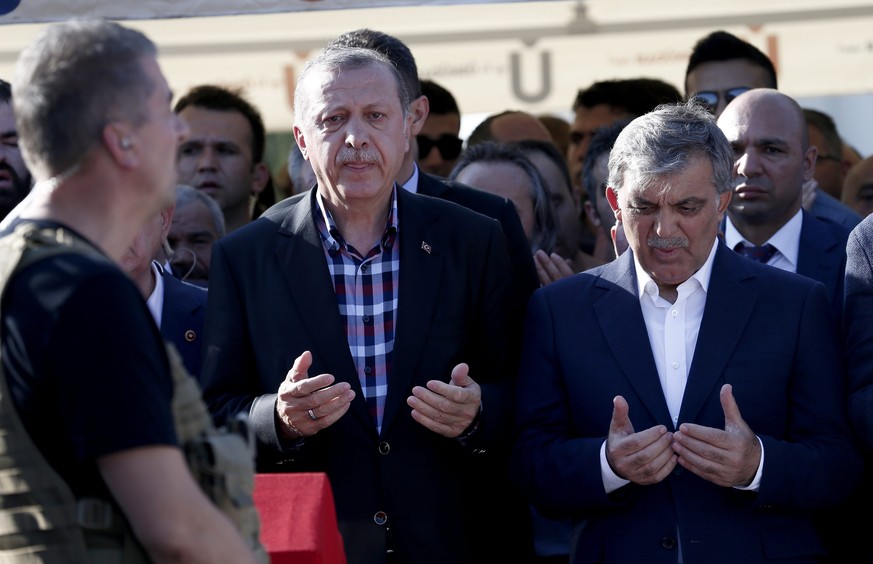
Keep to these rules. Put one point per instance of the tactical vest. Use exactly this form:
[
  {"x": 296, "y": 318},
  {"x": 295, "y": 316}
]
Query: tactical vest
[{"x": 40, "y": 519}]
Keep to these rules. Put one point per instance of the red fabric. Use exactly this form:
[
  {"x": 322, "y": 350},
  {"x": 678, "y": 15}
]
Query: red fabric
[{"x": 298, "y": 518}]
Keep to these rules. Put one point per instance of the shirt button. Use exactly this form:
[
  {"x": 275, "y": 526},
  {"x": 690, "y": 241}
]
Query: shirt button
[
  {"x": 367, "y": 369},
  {"x": 674, "y": 313},
  {"x": 675, "y": 365},
  {"x": 380, "y": 518},
  {"x": 366, "y": 319},
  {"x": 363, "y": 268}
]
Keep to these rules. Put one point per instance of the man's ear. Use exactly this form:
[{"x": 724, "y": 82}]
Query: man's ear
[
  {"x": 260, "y": 177},
  {"x": 612, "y": 198},
  {"x": 118, "y": 139},
  {"x": 300, "y": 139},
  {"x": 809, "y": 158},
  {"x": 419, "y": 108},
  {"x": 166, "y": 220},
  {"x": 724, "y": 199}
]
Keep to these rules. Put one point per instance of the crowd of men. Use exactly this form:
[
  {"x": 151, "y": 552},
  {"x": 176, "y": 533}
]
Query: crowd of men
[{"x": 642, "y": 337}]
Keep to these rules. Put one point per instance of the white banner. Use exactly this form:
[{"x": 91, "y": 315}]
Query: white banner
[
  {"x": 492, "y": 56},
  {"x": 30, "y": 11}
]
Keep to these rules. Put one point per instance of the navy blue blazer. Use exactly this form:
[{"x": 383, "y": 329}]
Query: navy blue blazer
[
  {"x": 822, "y": 256},
  {"x": 271, "y": 298},
  {"x": 765, "y": 331},
  {"x": 182, "y": 316}
]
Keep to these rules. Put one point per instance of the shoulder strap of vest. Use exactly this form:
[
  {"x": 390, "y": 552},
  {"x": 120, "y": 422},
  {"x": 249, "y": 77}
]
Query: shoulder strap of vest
[{"x": 42, "y": 523}]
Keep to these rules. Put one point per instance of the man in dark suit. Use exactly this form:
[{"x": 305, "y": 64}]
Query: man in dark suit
[
  {"x": 178, "y": 308},
  {"x": 396, "y": 308},
  {"x": 682, "y": 403},
  {"x": 772, "y": 160}
]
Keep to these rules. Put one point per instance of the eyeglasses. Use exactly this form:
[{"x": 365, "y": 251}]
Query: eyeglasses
[
  {"x": 449, "y": 146},
  {"x": 709, "y": 98}
]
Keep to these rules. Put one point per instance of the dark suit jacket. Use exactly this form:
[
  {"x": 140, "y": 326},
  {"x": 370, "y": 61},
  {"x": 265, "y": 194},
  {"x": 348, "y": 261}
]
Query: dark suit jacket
[
  {"x": 501, "y": 209},
  {"x": 822, "y": 255},
  {"x": 766, "y": 332},
  {"x": 271, "y": 298},
  {"x": 182, "y": 317}
]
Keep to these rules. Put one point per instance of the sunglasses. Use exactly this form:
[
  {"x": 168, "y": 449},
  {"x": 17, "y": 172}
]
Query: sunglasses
[
  {"x": 449, "y": 146},
  {"x": 709, "y": 98}
]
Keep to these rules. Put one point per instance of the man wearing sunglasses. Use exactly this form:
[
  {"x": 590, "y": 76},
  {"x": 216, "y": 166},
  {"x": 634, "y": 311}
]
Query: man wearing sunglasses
[
  {"x": 438, "y": 143},
  {"x": 723, "y": 66}
]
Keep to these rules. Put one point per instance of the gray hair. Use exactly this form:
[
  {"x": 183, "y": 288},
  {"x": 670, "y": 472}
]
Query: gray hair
[
  {"x": 72, "y": 80},
  {"x": 545, "y": 231},
  {"x": 660, "y": 143},
  {"x": 344, "y": 59},
  {"x": 188, "y": 194}
]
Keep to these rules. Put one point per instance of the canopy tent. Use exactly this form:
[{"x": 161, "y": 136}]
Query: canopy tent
[{"x": 492, "y": 56}]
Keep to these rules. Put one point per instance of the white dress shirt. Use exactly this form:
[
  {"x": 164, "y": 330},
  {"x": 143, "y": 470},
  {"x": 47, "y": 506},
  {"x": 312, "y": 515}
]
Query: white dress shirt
[
  {"x": 786, "y": 241},
  {"x": 156, "y": 299},
  {"x": 673, "y": 329}
]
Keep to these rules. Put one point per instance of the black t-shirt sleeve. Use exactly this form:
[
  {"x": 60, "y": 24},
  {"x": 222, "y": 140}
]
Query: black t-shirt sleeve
[
  {"x": 119, "y": 387},
  {"x": 93, "y": 375}
]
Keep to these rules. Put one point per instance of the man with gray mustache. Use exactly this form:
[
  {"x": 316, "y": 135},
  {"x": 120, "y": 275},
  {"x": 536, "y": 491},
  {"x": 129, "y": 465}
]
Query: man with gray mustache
[
  {"x": 682, "y": 396},
  {"x": 365, "y": 329}
]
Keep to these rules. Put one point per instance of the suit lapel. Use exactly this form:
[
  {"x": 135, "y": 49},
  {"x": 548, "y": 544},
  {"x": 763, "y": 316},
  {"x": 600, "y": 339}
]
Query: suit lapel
[
  {"x": 621, "y": 321},
  {"x": 300, "y": 256},
  {"x": 816, "y": 258},
  {"x": 729, "y": 305},
  {"x": 422, "y": 260}
]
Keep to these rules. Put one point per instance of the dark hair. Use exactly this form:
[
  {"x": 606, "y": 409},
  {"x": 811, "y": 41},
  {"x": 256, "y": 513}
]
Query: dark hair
[
  {"x": 601, "y": 143},
  {"x": 551, "y": 151},
  {"x": 440, "y": 100},
  {"x": 222, "y": 99},
  {"x": 634, "y": 96},
  {"x": 545, "y": 223},
  {"x": 5, "y": 91},
  {"x": 394, "y": 50},
  {"x": 723, "y": 46},
  {"x": 825, "y": 124}
]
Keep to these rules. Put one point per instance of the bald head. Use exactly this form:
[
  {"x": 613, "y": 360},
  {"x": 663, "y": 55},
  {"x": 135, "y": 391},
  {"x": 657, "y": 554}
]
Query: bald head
[
  {"x": 772, "y": 159},
  {"x": 509, "y": 127},
  {"x": 765, "y": 102}
]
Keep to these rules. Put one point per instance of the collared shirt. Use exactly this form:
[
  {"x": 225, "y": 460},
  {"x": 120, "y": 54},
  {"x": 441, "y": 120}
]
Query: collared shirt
[
  {"x": 786, "y": 241},
  {"x": 366, "y": 287},
  {"x": 411, "y": 184},
  {"x": 673, "y": 330},
  {"x": 156, "y": 299}
]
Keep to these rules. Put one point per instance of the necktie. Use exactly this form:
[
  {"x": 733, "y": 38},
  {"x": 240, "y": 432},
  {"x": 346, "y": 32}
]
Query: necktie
[{"x": 761, "y": 254}]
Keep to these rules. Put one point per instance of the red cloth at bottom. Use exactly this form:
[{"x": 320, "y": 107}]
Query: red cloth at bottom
[{"x": 298, "y": 518}]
